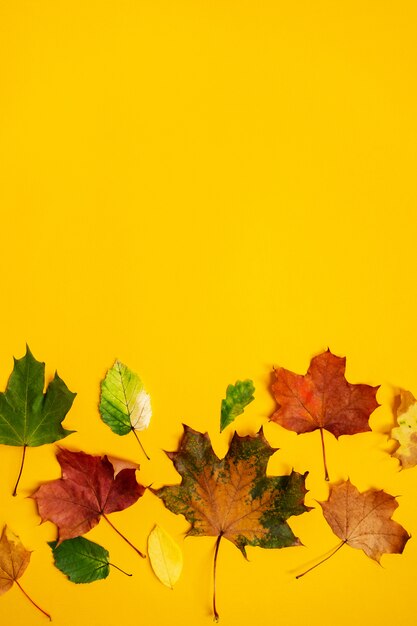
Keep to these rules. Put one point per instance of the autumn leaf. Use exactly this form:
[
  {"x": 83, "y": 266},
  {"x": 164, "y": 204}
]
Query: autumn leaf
[
  {"x": 90, "y": 488},
  {"x": 363, "y": 521},
  {"x": 322, "y": 400},
  {"x": 28, "y": 417},
  {"x": 238, "y": 396},
  {"x": 14, "y": 559},
  {"x": 81, "y": 560},
  {"x": 406, "y": 431},
  {"x": 165, "y": 556},
  {"x": 232, "y": 497},
  {"x": 124, "y": 404}
]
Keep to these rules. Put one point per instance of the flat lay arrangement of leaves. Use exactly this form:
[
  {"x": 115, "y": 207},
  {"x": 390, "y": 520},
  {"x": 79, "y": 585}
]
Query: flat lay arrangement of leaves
[{"x": 231, "y": 498}]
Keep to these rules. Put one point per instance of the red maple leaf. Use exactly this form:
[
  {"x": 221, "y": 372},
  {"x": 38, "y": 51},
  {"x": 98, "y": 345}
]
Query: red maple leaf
[
  {"x": 322, "y": 399},
  {"x": 91, "y": 487}
]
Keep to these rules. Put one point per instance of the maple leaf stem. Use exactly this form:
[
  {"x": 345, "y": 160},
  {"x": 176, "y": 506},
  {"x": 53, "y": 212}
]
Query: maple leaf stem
[
  {"x": 34, "y": 603},
  {"x": 216, "y": 551},
  {"x": 20, "y": 471},
  {"x": 140, "y": 443},
  {"x": 123, "y": 537},
  {"x": 326, "y": 473},
  {"x": 120, "y": 569},
  {"x": 323, "y": 560}
]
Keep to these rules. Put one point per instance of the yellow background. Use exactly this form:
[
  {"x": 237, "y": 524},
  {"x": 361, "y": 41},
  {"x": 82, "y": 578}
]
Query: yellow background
[{"x": 203, "y": 190}]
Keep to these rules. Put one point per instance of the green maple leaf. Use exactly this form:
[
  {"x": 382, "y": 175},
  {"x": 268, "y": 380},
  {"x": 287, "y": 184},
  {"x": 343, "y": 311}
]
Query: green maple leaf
[
  {"x": 81, "y": 560},
  {"x": 29, "y": 417}
]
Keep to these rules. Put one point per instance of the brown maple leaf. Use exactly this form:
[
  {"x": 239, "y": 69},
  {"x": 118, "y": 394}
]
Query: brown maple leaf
[
  {"x": 232, "y": 497},
  {"x": 91, "y": 487},
  {"x": 363, "y": 521},
  {"x": 322, "y": 399},
  {"x": 14, "y": 559}
]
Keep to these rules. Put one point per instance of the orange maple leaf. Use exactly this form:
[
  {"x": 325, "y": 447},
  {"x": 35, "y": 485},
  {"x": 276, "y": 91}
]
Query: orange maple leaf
[{"x": 322, "y": 399}]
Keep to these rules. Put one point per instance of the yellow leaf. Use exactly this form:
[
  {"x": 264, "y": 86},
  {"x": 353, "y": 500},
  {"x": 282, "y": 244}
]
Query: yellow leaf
[
  {"x": 165, "y": 556},
  {"x": 406, "y": 431}
]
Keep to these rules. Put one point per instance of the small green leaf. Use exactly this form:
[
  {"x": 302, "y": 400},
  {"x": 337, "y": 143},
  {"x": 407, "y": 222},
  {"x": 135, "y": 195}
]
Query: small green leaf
[
  {"x": 238, "y": 396},
  {"x": 124, "y": 404},
  {"x": 81, "y": 560}
]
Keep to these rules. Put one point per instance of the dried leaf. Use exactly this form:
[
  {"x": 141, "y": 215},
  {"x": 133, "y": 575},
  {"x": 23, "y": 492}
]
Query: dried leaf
[
  {"x": 238, "y": 396},
  {"x": 406, "y": 431},
  {"x": 88, "y": 490},
  {"x": 322, "y": 399},
  {"x": 14, "y": 559},
  {"x": 165, "y": 556},
  {"x": 363, "y": 520}
]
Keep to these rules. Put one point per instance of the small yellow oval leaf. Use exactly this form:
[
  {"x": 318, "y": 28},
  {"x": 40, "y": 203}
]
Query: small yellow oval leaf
[{"x": 165, "y": 556}]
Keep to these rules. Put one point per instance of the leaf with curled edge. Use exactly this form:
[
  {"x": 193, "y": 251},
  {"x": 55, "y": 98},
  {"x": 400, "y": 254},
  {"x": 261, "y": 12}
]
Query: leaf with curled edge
[
  {"x": 233, "y": 497},
  {"x": 362, "y": 520},
  {"x": 91, "y": 487},
  {"x": 322, "y": 400}
]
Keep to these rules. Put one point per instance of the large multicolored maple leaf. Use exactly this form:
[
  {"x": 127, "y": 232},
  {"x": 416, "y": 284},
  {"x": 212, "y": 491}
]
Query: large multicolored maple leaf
[
  {"x": 322, "y": 400},
  {"x": 232, "y": 497}
]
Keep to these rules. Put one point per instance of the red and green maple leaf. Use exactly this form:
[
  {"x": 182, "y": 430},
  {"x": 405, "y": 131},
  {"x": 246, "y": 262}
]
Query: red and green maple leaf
[{"x": 322, "y": 400}]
